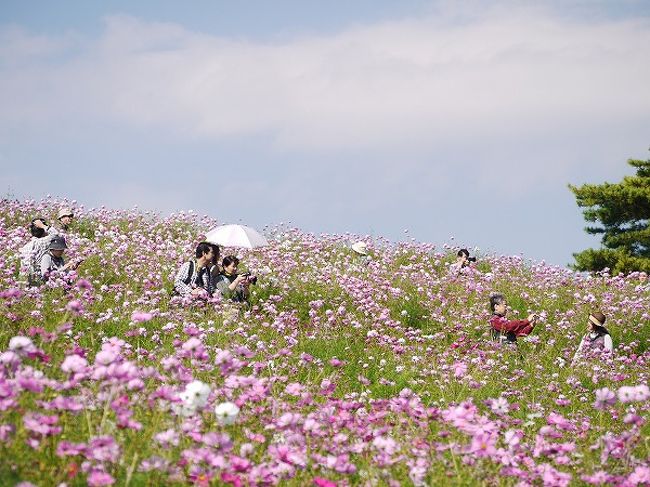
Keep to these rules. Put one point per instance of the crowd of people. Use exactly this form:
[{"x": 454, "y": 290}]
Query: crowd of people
[
  {"x": 201, "y": 276},
  {"x": 204, "y": 275}
]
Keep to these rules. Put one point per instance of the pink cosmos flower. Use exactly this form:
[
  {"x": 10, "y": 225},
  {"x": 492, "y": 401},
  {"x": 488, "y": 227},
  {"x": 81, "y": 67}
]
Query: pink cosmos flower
[
  {"x": 322, "y": 482},
  {"x": 500, "y": 405},
  {"x": 640, "y": 476},
  {"x": 633, "y": 393},
  {"x": 140, "y": 317},
  {"x": 21, "y": 345},
  {"x": 105, "y": 357},
  {"x": 99, "y": 478},
  {"x": 460, "y": 369},
  {"x": 604, "y": 397},
  {"x": 103, "y": 449},
  {"x": 75, "y": 306},
  {"x": 74, "y": 364}
]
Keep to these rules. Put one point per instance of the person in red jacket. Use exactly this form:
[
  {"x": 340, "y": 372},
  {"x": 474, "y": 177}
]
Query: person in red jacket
[{"x": 505, "y": 330}]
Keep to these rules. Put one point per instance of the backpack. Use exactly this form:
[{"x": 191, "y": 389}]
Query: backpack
[{"x": 187, "y": 279}]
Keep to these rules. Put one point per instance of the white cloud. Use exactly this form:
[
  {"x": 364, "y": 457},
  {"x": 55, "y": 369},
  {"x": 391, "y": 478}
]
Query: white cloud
[{"x": 487, "y": 91}]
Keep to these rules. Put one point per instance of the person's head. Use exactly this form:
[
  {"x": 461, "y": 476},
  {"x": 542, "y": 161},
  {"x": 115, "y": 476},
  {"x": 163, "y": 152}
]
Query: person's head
[
  {"x": 498, "y": 304},
  {"x": 57, "y": 245},
  {"x": 463, "y": 257},
  {"x": 215, "y": 254},
  {"x": 229, "y": 264},
  {"x": 597, "y": 321},
  {"x": 37, "y": 232},
  {"x": 204, "y": 252},
  {"x": 65, "y": 216}
]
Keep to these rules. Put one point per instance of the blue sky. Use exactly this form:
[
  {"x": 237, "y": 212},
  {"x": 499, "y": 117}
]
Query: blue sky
[{"x": 446, "y": 118}]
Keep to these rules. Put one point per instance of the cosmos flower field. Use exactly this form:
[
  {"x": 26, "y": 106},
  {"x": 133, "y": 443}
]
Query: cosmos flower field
[{"x": 339, "y": 373}]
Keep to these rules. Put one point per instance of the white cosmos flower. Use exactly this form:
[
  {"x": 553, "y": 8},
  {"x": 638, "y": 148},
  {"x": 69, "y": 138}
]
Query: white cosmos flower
[
  {"x": 226, "y": 412},
  {"x": 194, "y": 397},
  {"x": 196, "y": 394}
]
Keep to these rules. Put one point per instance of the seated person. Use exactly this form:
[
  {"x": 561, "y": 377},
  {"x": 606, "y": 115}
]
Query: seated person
[
  {"x": 193, "y": 277},
  {"x": 597, "y": 338},
  {"x": 463, "y": 259},
  {"x": 230, "y": 284},
  {"x": 32, "y": 252},
  {"x": 65, "y": 218},
  {"x": 53, "y": 259},
  {"x": 361, "y": 250},
  {"x": 505, "y": 330},
  {"x": 215, "y": 266}
]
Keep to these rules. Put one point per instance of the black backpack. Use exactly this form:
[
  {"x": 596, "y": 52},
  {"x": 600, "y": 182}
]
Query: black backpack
[{"x": 187, "y": 279}]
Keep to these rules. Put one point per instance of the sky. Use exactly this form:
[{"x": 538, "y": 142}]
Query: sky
[{"x": 449, "y": 122}]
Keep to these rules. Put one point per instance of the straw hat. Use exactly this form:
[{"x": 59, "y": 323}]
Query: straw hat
[
  {"x": 360, "y": 248},
  {"x": 64, "y": 212}
]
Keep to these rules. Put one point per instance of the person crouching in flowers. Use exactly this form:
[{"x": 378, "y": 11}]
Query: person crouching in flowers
[
  {"x": 230, "y": 284},
  {"x": 505, "y": 330},
  {"x": 597, "y": 338},
  {"x": 53, "y": 259},
  {"x": 193, "y": 278}
]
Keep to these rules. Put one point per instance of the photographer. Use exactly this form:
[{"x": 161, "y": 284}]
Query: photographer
[
  {"x": 504, "y": 330},
  {"x": 232, "y": 285},
  {"x": 463, "y": 259}
]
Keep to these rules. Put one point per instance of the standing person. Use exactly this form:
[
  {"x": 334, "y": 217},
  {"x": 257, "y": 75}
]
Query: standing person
[
  {"x": 193, "y": 278},
  {"x": 53, "y": 259},
  {"x": 505, "y": 330},
  {"x": 597, "y": 338},
  {"x": 230, "y": 284}
]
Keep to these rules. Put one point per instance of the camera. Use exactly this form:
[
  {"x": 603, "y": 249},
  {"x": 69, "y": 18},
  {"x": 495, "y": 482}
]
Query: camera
[
  {"x": 471, "y": 259},
  {"x": 250, "y": 278}
]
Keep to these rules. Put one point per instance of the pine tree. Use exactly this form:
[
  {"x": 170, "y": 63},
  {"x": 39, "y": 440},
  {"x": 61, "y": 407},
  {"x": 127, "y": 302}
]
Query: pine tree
[{"x": 623, "y": 212}]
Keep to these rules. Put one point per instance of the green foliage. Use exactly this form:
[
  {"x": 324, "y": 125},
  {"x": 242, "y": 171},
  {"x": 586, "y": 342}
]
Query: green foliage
[{"x": 623, "y": 212}]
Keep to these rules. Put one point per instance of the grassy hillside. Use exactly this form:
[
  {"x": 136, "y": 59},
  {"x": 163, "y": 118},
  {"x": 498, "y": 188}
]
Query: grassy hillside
[{"x": 343, "y": 373}]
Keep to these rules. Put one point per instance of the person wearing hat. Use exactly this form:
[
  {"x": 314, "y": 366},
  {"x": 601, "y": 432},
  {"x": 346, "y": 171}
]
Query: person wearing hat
[
  {"x": 361, "y": 249},
  {"x": 65, "y": 217},
  {"x": 597, "y": 338},
  {"x": 53, "y": 259}
]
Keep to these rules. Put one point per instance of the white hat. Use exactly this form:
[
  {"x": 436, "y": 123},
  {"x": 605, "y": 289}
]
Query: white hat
[
  {"x": 360, "y": 248},
  {"x": 64, "y": 212}
]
